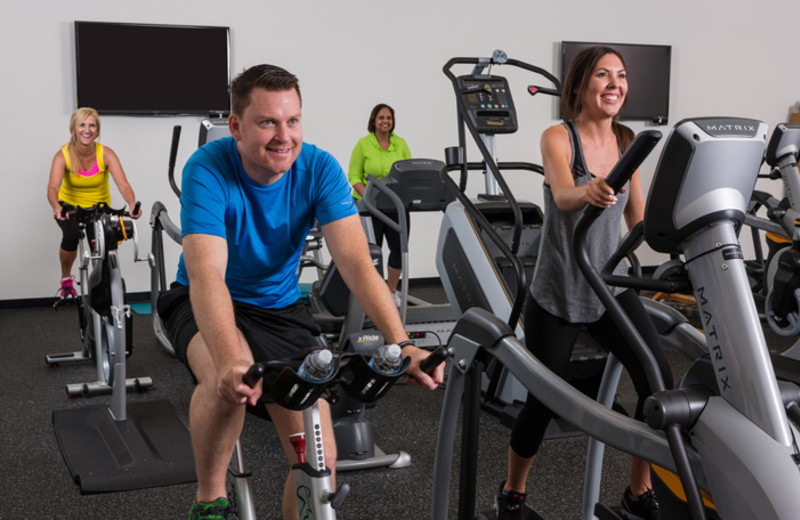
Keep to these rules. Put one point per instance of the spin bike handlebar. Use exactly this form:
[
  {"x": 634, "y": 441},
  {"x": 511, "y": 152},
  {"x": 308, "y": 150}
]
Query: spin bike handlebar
[
  {"x": 85, "y": 215},
  {"x": 351, "y": 370},
  {"x": 108, "y": 232}
]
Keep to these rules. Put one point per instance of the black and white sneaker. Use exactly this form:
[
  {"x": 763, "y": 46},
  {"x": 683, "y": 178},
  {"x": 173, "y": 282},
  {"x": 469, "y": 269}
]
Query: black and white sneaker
[
  {"x": 509, "y": 505},
  {"x": 643, "y": 507}
]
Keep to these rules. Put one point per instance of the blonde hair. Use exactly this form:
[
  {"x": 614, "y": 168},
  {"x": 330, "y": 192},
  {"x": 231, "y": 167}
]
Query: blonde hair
[{"x": 78, "y": 117}]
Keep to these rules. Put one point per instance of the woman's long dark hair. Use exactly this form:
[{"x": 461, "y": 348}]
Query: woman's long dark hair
[{"x": 576, "y": 81}]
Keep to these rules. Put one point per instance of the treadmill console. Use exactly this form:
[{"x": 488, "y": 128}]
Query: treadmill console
[{"x": 489, "y": 103}]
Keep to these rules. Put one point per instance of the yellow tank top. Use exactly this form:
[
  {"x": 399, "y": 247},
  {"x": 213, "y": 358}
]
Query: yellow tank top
[{"x": 85, "y": 188}]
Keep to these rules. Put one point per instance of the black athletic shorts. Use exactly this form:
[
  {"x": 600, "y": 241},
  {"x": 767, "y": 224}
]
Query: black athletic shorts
[{"x": 271, "y": 333}]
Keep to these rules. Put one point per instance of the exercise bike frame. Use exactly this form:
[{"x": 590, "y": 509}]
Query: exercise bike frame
[
  {"x": 316, "y": 497},
  {"x": 106, "y": 343}
]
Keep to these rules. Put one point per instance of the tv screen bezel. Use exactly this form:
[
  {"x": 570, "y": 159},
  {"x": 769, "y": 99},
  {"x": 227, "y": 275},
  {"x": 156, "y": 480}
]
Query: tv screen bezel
[
  {"x": 148, "y": 110},
  {"x": 659, "y": 119}
]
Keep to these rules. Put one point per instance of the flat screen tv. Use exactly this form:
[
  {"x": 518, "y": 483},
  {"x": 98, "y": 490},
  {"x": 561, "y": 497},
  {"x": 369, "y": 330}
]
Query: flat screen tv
[
  {"x": 140, "y": 69},
  {"x": 648, "y": 69}
]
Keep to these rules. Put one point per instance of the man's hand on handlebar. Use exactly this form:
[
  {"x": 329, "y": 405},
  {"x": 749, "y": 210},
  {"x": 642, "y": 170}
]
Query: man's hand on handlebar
[
  {"x": 416, "y": 375},
  {"x": 231, "y": 385}
]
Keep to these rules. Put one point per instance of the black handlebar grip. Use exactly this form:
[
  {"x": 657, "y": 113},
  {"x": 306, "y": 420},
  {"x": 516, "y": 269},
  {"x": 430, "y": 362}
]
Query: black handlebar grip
[
  {"x": 436, "y": 358},
  {"x": 173, "y": 154},
  {"x": 253, "y": 374},
  {"x": 636, "y": 153},
  {"x": 136, "y": 207}
]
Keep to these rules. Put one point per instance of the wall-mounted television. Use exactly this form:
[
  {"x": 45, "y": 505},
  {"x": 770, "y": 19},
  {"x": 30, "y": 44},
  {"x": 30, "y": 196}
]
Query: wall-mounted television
[
  {"x": 648, "y": 70},
  {"x": 144, "y": 69}
]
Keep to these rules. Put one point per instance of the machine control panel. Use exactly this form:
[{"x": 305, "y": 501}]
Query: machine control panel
[{"x": 489, "y": 103}]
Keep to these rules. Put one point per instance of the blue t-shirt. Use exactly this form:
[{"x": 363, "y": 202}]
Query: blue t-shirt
[{"x": 265, "y": 226}]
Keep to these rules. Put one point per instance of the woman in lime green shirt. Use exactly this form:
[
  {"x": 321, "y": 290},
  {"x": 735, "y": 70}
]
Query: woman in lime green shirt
[{"x": 374, "y": 154}]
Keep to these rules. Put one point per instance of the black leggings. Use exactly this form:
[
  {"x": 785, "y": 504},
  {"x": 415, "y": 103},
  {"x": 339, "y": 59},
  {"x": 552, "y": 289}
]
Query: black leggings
[
  {"x": 551, "y": 340},
  {"x": 71, "y": 232},
  {"x": 392, "y": 239}
]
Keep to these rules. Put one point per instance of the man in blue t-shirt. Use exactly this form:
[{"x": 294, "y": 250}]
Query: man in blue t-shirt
[{"x": 247, "y": 205}]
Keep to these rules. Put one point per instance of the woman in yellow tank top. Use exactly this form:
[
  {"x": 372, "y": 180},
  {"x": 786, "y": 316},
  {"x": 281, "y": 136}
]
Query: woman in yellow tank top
[{"x": 79, "y": 177}]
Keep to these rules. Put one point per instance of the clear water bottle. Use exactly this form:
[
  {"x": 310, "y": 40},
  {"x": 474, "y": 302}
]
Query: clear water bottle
[
  {"x": 317, "y": 365},
  {"x": 387, "y": 359}
]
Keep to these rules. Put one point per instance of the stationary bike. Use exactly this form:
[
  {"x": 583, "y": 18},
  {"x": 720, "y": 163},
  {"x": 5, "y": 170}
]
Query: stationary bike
[
  {"x": 351, "y": 373},
  {"x": 730, "y": 428},
  {"x": 103, "y": 316},
  {"x": 117, "y": 446}
]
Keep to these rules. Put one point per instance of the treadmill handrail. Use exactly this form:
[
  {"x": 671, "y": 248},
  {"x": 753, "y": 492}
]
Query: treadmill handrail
[{"x": 373, "y": 186}]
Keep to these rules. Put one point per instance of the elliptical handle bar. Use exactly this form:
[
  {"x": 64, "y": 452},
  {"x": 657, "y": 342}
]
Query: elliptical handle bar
[
  {"x": 620, "y": 174},
  {"x": 173, "y": 154},
  {"x": 638, "y": 150}
]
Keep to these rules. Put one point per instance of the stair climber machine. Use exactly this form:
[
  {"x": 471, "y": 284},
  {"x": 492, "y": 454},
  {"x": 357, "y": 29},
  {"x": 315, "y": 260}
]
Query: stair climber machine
[
  {"x": 487, "y": 247},
  {"x": 730, "y": 428}
]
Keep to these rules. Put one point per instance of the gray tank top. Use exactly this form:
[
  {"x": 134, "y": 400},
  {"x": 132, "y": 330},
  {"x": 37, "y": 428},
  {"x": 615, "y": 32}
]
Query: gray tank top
[{"x": 558, "y": 285}]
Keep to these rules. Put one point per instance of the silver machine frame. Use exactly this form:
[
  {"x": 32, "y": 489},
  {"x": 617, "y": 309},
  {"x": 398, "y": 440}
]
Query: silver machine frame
[{"x": 740, "y": 445}]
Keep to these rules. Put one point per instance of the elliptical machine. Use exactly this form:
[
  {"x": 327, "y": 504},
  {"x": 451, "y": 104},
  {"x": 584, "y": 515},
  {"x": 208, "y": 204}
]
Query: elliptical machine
[
  {"x": 726, "y": 429},
  {"x": 778, "y": 275}
]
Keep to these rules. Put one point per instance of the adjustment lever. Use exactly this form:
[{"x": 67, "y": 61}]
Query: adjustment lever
[{"x": 337, "y": 499}]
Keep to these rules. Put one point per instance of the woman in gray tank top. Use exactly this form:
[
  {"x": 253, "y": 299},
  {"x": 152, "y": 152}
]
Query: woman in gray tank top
[{"x": 577, "y": 155}]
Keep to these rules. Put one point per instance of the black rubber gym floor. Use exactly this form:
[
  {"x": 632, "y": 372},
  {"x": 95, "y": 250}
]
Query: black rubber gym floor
[{"x": 36, "y": 482}]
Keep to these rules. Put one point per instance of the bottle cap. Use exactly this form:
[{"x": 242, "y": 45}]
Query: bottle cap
[
  {"x": 393, "y": 351},
  {"x": 325, "y": 357}
]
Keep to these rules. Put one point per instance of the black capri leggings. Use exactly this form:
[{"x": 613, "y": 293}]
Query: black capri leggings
[
  {"x": 70, "y": 232},
  {"x": 551, "y": 340},
  {"x": 392, "y": 239}
]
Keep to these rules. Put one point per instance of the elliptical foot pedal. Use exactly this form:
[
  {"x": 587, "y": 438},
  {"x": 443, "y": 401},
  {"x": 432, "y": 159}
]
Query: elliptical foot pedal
[
  {"x": 528, "y": 513},
  {"x": 603, "y": 512}
]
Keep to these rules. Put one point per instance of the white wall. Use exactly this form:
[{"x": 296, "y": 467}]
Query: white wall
[{"x": 350, "y": 55}]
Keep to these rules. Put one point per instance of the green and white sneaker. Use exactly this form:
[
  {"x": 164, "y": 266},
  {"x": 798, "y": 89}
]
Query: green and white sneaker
[{"x": 219, "y": 509}]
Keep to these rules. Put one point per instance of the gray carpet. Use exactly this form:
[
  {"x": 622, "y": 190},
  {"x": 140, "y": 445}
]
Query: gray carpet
[{"x": 37, "y": 485}]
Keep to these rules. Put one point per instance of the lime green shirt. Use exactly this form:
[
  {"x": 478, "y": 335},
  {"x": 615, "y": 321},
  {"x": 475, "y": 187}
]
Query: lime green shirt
[{"x": 369, "y": 158}]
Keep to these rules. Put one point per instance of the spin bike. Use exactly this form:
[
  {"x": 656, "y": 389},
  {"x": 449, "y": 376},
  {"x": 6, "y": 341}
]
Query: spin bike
[
  {"x": 352, "y": 373},
  {"x": 104, "y": 317},
  {"x": 730, "y": 428}
]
